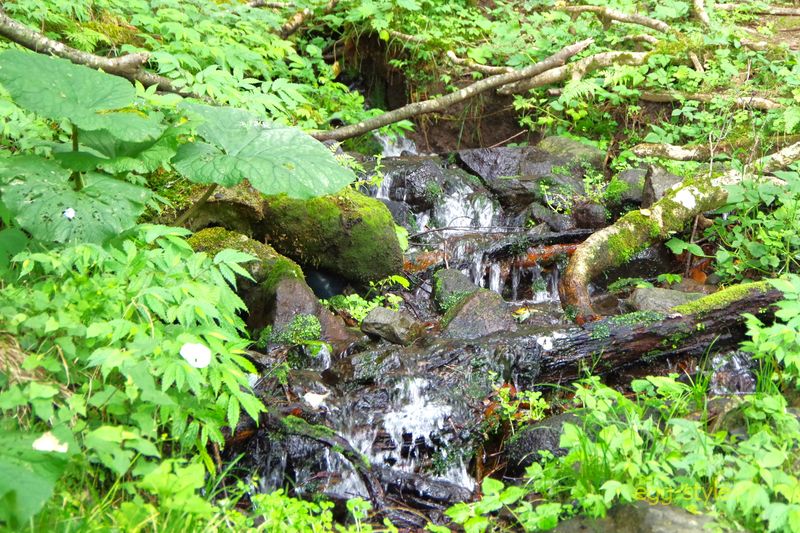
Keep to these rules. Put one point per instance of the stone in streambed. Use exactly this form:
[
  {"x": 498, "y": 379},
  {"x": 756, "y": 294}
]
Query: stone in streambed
[
  {"x": 660, "y": 300},
  {"x": 450, "y": 286},
  {"x": 396, "y": 327},
  {"x": 479, "y": 314}
]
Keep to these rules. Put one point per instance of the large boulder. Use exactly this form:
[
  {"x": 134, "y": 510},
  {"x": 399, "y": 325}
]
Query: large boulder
[
  {"x": 267, "y": 271},
  {"x": 479, "y": 314},
  {"x": 347, "y": 233}
]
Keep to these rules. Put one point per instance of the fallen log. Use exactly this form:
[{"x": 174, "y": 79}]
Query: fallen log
[
  {"x": 607, "y": 345},
  {"x": 618, "y": 243}
]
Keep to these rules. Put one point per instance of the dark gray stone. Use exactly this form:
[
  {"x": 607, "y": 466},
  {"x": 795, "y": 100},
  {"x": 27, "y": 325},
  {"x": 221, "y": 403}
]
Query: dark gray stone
[
  {"x": 522, "y": 450},
  {"x": 639, "y": 517},
  {"x": 589, "y": 215},
  {"x": 396, "y": 327},
  {"x": 661, "y": 300},
  {"x": 481, "y": 313},
  {"x": 516, "y": 175},
  {"x": 449, "y": 287},
  {"x": 416, "y": 182},
  {"x": 656, "y": 185},
  {"x": 635, "y": 179},
  {"x": 557, "y": 222}
]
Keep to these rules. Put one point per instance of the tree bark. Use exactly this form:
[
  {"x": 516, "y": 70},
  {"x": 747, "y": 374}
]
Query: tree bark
[{"x": 130, "y": 66}]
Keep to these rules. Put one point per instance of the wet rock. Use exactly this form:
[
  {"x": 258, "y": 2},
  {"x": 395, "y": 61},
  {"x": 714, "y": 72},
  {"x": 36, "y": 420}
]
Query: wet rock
[
  {"x": 400, "y": 212},
  {"x": 656, "y": 185},
  {"x": 346, "y": 233},
  {"x": 493, "y": 163},
  {"x": 450, "y": 286},
  {"x": 239, "y": 208},
  {"x": 520, "y": 175},
  {"x": 639, "y": 517},
  {"x": 634, "y": 178},
  {"x": 291, "y": 297},
  {"x": 557, "y": 222},
  {"x": 523, "y": 449},
  {"x": 732, "y": 373},
  {"x": 417, "y": 182},
  {"x": 589, "y": 215},
  {"x": 661, "y": 300},
  {"x": 479, "y": 314},
  {"x": 396, "y": 327}
]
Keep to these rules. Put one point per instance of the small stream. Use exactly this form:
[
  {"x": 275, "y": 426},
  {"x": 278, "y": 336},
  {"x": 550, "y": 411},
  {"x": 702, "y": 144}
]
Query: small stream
[{"x": 415, "y": 413}]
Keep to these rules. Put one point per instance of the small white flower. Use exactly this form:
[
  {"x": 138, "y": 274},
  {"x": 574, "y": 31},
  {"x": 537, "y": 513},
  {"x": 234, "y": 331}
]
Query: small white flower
[
  {"x": 69, "y": 213},
  {"x": 198, "y": 355},
  {"x": 50, "y": 443}
]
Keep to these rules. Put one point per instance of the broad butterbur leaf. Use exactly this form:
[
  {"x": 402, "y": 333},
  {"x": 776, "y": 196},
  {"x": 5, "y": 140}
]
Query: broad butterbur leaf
[
  {"x": 102, "y": 150},
  {"x": 45, "y": 203},
  {"x": 91, "y": 100},
  {"x": 275, "y": 159}
]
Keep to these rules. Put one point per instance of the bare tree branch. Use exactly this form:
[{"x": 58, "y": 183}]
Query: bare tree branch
[
  {"x": 270, "y": 5},
  {"x": 576, "y": 70},
  {"x": 701, "y": 13},
  {"x": 484, "y": 69},
  {"x": 613, "y": 14},
  {"x": 754, "y": 102},
  {"x": 779, "y": 11},
  {"x": 443, "y": 102},
  {"x": 130, "y": 66}
]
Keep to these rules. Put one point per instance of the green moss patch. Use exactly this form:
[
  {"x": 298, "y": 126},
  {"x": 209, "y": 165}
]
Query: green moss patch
[{"x": 722, "y": 298}]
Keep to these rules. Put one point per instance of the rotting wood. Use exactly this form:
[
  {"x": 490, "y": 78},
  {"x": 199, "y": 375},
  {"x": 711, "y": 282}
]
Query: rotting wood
[{"x": 610, "y": 344}]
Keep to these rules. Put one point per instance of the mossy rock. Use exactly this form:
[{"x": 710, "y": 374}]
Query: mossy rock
[
  {"x": 268, "y": 271},
  {"x": 270, "y": 267},
  {"x": 450, "y": 287},
  {"x": 347, "y": 233}
]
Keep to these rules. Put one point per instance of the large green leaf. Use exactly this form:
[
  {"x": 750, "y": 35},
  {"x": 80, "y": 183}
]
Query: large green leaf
[
  {"x": 99, "y": 149},
  {"x": 275, "y": 159},
  {"x": 27, "y": 475},
  {"x": 89, "y": 99},
  {"x": 45, "y": 203}
]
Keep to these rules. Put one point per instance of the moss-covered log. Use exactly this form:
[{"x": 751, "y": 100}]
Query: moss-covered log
[
  {"x": 612, "y": 343},
  {"x": 618, "y": 243}
]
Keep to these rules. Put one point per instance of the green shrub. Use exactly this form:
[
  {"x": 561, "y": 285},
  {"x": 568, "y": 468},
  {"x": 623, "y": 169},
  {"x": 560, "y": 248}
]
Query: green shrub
[{"x": 130, "y": 353}]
